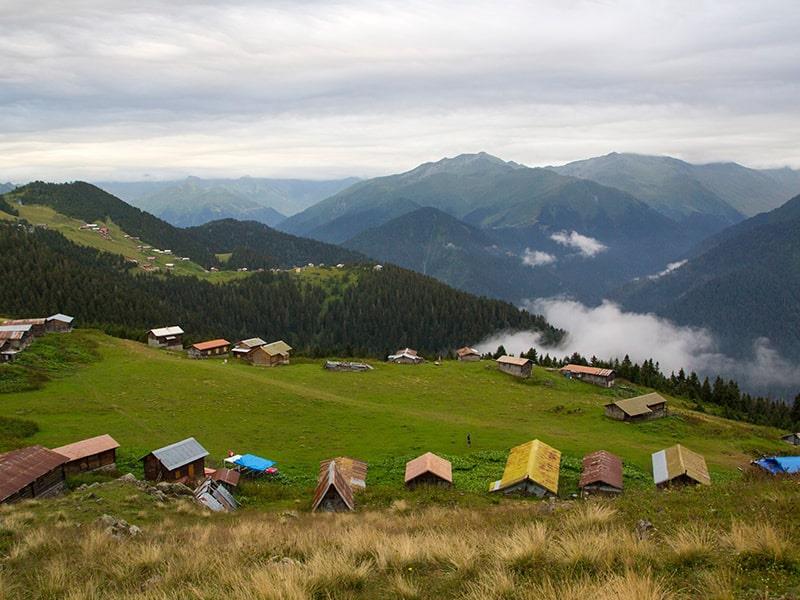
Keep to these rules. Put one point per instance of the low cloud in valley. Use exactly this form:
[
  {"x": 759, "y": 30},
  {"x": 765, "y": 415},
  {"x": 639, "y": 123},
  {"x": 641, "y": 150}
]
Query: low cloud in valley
[{"x": 587, "y": 246}]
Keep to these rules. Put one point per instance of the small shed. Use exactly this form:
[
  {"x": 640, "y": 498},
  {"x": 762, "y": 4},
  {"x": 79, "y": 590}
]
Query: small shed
[
  {"x": 406, "y": 356},
  {"x": 678, "y": 465},
  {"x": 31, "y": 472},
  {"x": 531, "y": 469},
  {"x": 272, "y": 355},
  {"x": 594, "y": 375},
  {"x": 779, "y": 465},
  {"x": 60, "y": 323},
  {"x": 333, "y": 493},
  {"x": 38, "y": 327},
  {"x": 246, "y": 348},
  {"x": 336, "y": 365},
  {"x": 89, "y": 455},
  {"x": 429, "y": 469},
  {"x": 640, "y": 408},
  {"x": 215, "y": 496},
  {"x": 518, "y": 367},
  {"x": 602, "y": 474},
  {"x": 353, "y": 470},
  {"x": 184, "y": 460},
  {"x": 467, "y": 354},
  {"x": 792, "y": 438},
  {"x": 210, "y": 348},
  {"x": 7, "y": 353},
  {"x": 170, "y": 338},
  {"x": 16, "y": 337}
]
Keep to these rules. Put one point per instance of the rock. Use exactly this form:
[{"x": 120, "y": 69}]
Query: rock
[
  {"x": 283, "y": 561},
  {"x": 643, "y": 529},
  {"x": 118, "y": 528},
  {"x": 289, "y": 514},
  {"x": 129, "y": 478}
]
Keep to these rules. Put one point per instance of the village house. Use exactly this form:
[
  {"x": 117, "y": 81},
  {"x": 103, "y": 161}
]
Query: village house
[
  {"x": 333, "y": 493},
  {"x": 184, "y": 460},
  {"x": 406, "y": 356},
  {"x": 518, "y": 367},
  {"x": 601, "y": 474},
  {"x": 531, "y": 469},
  {"x": 246, "y": 348},
  {"x": 467, "y": 354},
  {"x": 271, "y": 355},
  {"x": 31, "y": 472},
  {"x": 38, "y": 327},
  {"x": 792, "y": 438},
  {"x": 594, "y": 375},
  {"x": 429, "y": 469},
  {"x": 640, "y": 408},
  {"x": 678, "y": 465},
  {"x": 15, "y": 338},
  {"x": 60, "y": 323},
  {"x": 170, "y": 338},
  {"x": 218, "y": 347},
  {"x": 89, "y": 455}
]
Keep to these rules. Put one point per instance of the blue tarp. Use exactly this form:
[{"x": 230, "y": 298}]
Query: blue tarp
[
  {"x": 254, "y": 463},
  {"x": 780, "y": 464}
]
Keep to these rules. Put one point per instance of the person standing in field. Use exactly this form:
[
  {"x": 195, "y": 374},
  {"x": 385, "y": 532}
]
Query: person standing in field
[{"x": 469, "y": 441}]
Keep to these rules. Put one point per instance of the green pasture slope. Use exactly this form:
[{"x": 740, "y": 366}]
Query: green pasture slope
[{"x": 300, "y": 414}]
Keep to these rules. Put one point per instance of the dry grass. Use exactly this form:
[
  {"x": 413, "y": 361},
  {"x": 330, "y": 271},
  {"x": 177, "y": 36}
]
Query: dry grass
[
  {"x": 760, "y": 541},
  {"x": 693, "y": 544}
]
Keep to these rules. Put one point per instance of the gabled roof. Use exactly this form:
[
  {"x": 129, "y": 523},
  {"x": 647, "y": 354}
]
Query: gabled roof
[
  {"x": 211, "y": 344},
  {"x": 166, "y": 331},
  {"x": 213, "y": 495},
  {"x": 429, "y": 463},
  {"x": 22, "y": 467},
  {"x": 61, "y": 317},
  {"x": 25, "y": 322},
  {"x": 601, "y": 467},
  {"x": 406, "y": 353},
  {"x": 19, "y": 327},
  {"x": 180, "y": 453},
  {"x": 354, "y": 471},
  {"x": 640, "y": 405},
  {"x": 331, "y": 477},
  {"x": 251, "y": 343},
  {"x": 587, "y": 370},
  {"x": 466, "y": 351},
  {"x": 676, "y": 461},
  {"x": 88, "y": 447},
  {"x": 535, "y": 461},
  {"x": 513, "y": 360},
  {"x": 279, "y": 347},
  {"x": 13, "y": 332}
]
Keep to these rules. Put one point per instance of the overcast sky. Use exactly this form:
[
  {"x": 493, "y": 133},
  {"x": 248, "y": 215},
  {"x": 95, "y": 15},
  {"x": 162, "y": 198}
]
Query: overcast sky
[{"x": 128, "y": 90}]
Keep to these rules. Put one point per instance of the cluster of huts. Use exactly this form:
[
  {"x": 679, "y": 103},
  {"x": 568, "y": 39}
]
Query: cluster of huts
[
  {"x": 252, "y": 350},
  {"x": 17, "y": 334}
]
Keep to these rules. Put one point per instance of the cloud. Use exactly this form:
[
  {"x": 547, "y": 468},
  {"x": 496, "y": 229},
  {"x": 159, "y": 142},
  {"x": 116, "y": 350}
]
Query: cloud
[
  {"x": 107, "y": 88},
  {"x": 670, "y": 268},
  {"x": 586, "y": 245},
  {"x": 536, "y": 258},
  {"x": 608, "y": 332}
]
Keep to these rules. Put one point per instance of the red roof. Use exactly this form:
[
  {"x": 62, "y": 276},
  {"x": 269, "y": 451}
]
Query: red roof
[
  {"x": 20, "y": 468},
  {"x": 588, "y": 370},
  {"x": 228, "y": 476},
  {"x": 601, "y": 467},
  {"x": 211, "y": 344},
  {"x": 90, "y": 447}
]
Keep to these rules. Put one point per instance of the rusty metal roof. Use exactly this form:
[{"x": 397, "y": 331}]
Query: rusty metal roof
[
  {"x": 354, "y": 471},
  {"x": 677, "y": 461},
  {"x": 330, "y": 476},
  {"x": 251, "y": 343},
  {"x": 13, "y": 334},
  {"x": 429, "y": 463},
  {"x": 22, "y": 467},
  {"x": 211, "y": 344},
  {"x": 88, "y": 447},
  {"x": 228, "y": 476},
  {"x": 601, "y": 467},
  {"x": 532, "y": 460},
  {"x": 640, "y": 405},
  {"x": 513, "y": 360},
  {"x": 466, "y": 351},
  {"x": 588, "y": 370},
  {"x": 25, "y": 322},
  {"x": 274, "y": 348}
]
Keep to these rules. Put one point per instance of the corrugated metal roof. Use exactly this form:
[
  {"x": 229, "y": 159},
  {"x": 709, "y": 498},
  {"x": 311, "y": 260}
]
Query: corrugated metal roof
[
  {"x": 14, "y": 334},
  {"x": 640, "y": 405},
  {"x": 330, "y": 476},
  {"x": 353, "y": 470},
  {"x": 180, "y": 453},
  {"x": 214, "y": 496},
  {"x": 677, "y": 461},
  {"x": 19, "y": 327},
  {"x": 211, "y": 344},
  {"x": 466, "y": 351},
  {"x": 429, "y": 463},
  {"x": 61, "y": 317},
  {"x": 252, "y": 343},
  {"x": 588, "y": 370},
  {"x": 165, "y": 331},
  {"x": 22, "y": 467},
  {"x": 228, "y": 476},
  {"x": 279, "y": 347},
  {"x": 535, "y": 461},
  {"x": 601, "y": 467},
  {"x": 25, "y": 322},
  {"x": 513, "y": 360},
  {"x": 88, "y": 447}
]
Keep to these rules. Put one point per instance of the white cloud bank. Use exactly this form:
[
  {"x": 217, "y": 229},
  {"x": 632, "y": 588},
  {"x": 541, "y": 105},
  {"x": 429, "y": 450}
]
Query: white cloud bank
[
  {"x": 608, "y": 332},
  {"x": 670, "y": 268},
  {"x": 536, "y": 258},
  {"x": 584, "y": 244}
]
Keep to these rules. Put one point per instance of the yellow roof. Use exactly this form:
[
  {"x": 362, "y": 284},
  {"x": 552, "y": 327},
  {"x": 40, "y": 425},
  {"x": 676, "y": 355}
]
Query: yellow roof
[{"x": 533, "y": 460}]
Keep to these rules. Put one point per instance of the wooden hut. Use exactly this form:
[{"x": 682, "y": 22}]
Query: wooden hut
[
  {"x": 208, "y": 349},
  {"x": 60, "y": 323},
  {"x": 38, "y": 326},
  {"x": 90, "y": 454},
  {"x": 601, "y": 474},
  {"x": 333, "y": 492},
  {"x": 792, "y": 438},
  {"x": 429, "y": 469},
  {"x": 184, "y": 460},
  {"x": 518, "y": 367},
  {"x": 532, "y": 469},
  {"x": 406, "y": 356},
  {"x": 678, "y": 465},
  {"x": 169, "y": 338},
  {"x": 353, "y": 470},
  {"x": 272, "y": 355},
  {"x": 467, "y": 354},
  {"x": 640, "y": 408},
  {"x": 594, "y": 375},
  {"x": 16, "y": 337},
  {"x": 31, "y": 472},
  {"x": 245, "y": 349}
]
